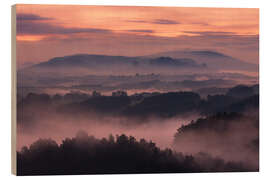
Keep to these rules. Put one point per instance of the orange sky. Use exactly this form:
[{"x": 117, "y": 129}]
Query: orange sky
[{"x": 48, "y": 23}]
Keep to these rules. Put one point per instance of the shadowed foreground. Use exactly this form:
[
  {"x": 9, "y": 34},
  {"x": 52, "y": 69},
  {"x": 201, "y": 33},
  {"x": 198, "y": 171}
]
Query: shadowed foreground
[{"x": 87, "y": 155}]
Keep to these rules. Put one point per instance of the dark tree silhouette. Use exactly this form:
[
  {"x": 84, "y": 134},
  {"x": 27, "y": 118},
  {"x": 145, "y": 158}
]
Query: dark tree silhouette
[{"x": 87, "y": 155}]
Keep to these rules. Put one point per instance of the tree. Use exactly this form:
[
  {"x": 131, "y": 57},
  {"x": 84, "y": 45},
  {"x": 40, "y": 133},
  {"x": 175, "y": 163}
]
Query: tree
[
  {"x": 96, "y": 94},
  {"x": 119, "y": 93}
]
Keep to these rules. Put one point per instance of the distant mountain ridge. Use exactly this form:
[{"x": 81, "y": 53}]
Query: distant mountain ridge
[
  {"x": 85, "y": 60},
  {"x": 209, "y": 53},
  {"x": 173, "y": 62},
  {"x": 212, "y": 59}
]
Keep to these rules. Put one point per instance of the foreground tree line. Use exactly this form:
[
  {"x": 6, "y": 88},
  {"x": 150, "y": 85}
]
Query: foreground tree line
[{"x": 86, "y": 154}]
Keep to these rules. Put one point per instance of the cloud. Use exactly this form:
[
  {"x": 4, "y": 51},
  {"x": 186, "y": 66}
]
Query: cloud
[
  {"x": 199, "y": 23},
  {"x": 165, "y": 21},
  {"x": 37, "y": 28},
  {"x": 30, "y": 17},
  {"x": 156, "y": 21},
  {"x": 211, "y": 33},
  {"x": 137, "y": 21},
  {"x": 141, "y": 30},
  {"x": 30, "y": 24}
]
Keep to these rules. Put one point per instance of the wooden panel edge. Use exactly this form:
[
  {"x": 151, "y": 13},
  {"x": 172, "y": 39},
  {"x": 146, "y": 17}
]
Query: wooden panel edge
[{"x": 13, "y": 92}]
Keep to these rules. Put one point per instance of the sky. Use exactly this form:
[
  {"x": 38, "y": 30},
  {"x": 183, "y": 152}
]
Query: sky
[{"x": 47, "y": 31}]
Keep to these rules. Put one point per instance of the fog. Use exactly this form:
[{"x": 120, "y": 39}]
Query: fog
[
  {"x": 234, "y": 139},
  {"x": 60, "y": 127},
  {"x": 223, "y": 126}
]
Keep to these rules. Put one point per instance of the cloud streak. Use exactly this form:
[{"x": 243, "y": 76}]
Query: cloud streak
[
  {"x": 37, "y": 28},
  {"x": 30, "y": 17},
  {"x": 141, "y": 30},
  {"x": 165, "y": 21},
  {"x": 156, "y": 21},
  {"x": 210, "y": 33}
]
